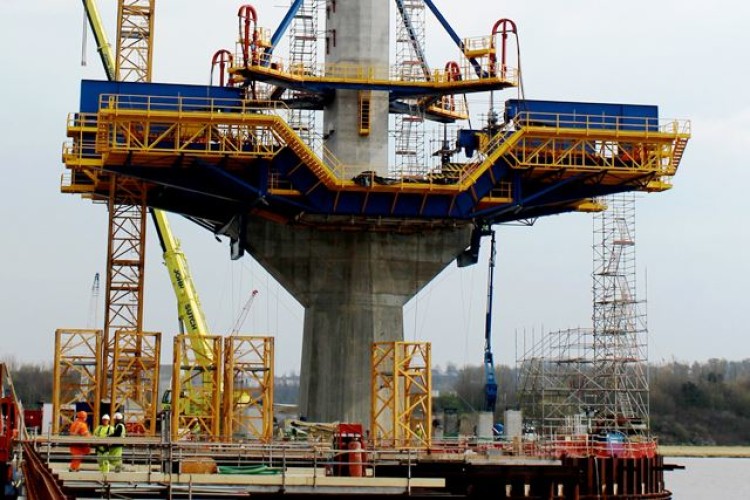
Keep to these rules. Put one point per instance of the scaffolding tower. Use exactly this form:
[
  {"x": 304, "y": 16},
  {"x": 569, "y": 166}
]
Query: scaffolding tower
[
  {"x": 303, "y": 54},
  {"x": 553, "y": 376},
  {"x": 411, "y": 65},
  {"x": 586, "y": 380},
  {"x": 135, "y": 379},
  {"x": 618, "y": 389}
]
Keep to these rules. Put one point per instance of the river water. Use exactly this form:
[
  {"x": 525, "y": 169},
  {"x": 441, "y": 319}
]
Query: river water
[{"x": 709, "y": 478}]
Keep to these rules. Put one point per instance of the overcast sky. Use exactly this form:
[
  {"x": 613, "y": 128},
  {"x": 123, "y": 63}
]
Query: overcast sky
[{"x": 687, "y": 56}]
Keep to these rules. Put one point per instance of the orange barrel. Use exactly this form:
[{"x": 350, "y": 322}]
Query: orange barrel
[{"x": 355, "y": 459}]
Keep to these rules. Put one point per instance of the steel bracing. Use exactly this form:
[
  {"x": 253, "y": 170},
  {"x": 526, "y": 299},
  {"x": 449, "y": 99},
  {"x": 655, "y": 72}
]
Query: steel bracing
[
  {"x": 134, "y": 40},
  {"x": 401, "y": 412},
  {"x": 135, "y": 379},
  {"x": 78, "y": 358},
  {"x": 248, "y": 388},
  {"x": 196, "y": 379}
]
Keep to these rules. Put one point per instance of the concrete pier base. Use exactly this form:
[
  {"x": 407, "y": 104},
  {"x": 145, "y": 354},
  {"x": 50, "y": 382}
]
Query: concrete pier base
[{"x": 353, "y": 286}]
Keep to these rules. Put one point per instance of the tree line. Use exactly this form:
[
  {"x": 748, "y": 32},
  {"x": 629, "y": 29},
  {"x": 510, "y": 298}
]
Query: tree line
[{"x": 706, "y": 403}]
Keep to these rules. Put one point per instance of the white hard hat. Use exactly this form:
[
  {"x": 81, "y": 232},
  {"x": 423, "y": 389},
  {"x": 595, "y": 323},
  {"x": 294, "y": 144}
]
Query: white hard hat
[
  {"x": 105, "y": 417},
  {"x": 118, "y": 416}
]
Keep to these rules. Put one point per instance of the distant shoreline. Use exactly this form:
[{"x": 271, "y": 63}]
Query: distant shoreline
[{"x": 705, "y": 451}]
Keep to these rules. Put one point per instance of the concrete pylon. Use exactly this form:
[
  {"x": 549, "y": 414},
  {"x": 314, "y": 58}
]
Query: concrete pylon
[
  {"x": 357, "y": 39},
  {"x": 353, "y": 286}
]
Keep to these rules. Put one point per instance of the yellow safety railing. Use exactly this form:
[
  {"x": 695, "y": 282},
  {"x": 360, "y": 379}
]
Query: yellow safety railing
[
  {"x": 357, "y": 73},
  {"x": 603, "y": 124},
  {"x": 181, "y": 104}
]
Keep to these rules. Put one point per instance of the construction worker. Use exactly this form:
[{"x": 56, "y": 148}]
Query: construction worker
[
  {"x": 103, "y": 430},
  {"x": 115, "y": 451},
  {"x": 79, "y": 427}
]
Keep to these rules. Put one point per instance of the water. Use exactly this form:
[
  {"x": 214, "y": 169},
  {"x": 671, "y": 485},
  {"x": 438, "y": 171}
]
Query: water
[{"x": 709, "y": 478}]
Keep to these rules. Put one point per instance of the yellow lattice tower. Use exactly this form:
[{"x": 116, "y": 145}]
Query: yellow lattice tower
[
  {"x": 134, "y": 40},
  {"x": 135, "y": 379},
  {"x": 248, "y": 388},
  {"x": 78, "y": 355},
  {"x": 127, "y": 221},
  {"x": 401, "y": 401},
  {"x": 196, "y": 377}
]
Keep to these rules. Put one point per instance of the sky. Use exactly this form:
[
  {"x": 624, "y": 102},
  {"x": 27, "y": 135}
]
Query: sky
[{"x": 687, "y": 56}]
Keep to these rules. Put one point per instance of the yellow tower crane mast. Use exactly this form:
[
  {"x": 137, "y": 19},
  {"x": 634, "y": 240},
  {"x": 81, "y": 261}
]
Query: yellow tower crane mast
[{"x": 132, "y": 62}]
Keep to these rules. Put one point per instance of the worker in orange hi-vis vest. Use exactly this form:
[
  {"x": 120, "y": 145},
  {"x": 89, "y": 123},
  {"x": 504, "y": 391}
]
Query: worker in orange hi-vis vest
[{"x": 79, "y": 428}]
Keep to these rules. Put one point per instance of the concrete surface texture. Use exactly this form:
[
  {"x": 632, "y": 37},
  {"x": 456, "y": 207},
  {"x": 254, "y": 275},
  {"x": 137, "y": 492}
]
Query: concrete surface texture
[
  {"x": 353, "y": 286},
  {"x": 358, "y": 38}
]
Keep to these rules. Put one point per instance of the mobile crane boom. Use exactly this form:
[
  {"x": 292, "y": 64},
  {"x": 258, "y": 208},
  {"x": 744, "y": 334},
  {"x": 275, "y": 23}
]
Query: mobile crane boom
[
  {"x": 102, "y": 44},
  {"x": 189, "y": 310},
  {"x": 490, "y": 384}
]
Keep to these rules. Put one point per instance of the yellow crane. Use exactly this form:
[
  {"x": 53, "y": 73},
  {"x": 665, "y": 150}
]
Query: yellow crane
[
  {"x": 197, "y": 388},
  {"x": 189, "y": 310},
  {"x": 192, "y": 319}
]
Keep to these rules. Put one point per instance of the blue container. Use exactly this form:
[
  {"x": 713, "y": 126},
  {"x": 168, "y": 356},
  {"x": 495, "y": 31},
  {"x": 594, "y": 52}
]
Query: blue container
[{"x": 633, "y": 117}]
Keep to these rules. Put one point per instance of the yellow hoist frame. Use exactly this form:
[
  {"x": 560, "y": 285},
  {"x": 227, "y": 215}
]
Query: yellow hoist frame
[
  {"x": 401, "y": 400},
  {"x": 248, "y": 388},
  {"x": 78, "y": 357}
]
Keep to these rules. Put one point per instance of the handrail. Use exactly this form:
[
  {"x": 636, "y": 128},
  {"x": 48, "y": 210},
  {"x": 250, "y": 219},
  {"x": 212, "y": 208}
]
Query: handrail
[
  {"x": 630, "y": 124},
  {"x": 391, "y": 74},
  {"x": 180, "y": 104},
  {"x": 324, "y": 452}
]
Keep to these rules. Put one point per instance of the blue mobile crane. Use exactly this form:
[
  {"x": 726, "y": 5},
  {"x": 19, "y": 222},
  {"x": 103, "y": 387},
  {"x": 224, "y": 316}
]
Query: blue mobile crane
[{"x": 490, "y": 384}]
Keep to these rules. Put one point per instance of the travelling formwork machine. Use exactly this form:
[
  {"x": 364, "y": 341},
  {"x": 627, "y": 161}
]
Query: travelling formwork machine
[{"x": 247, "y": 159}]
